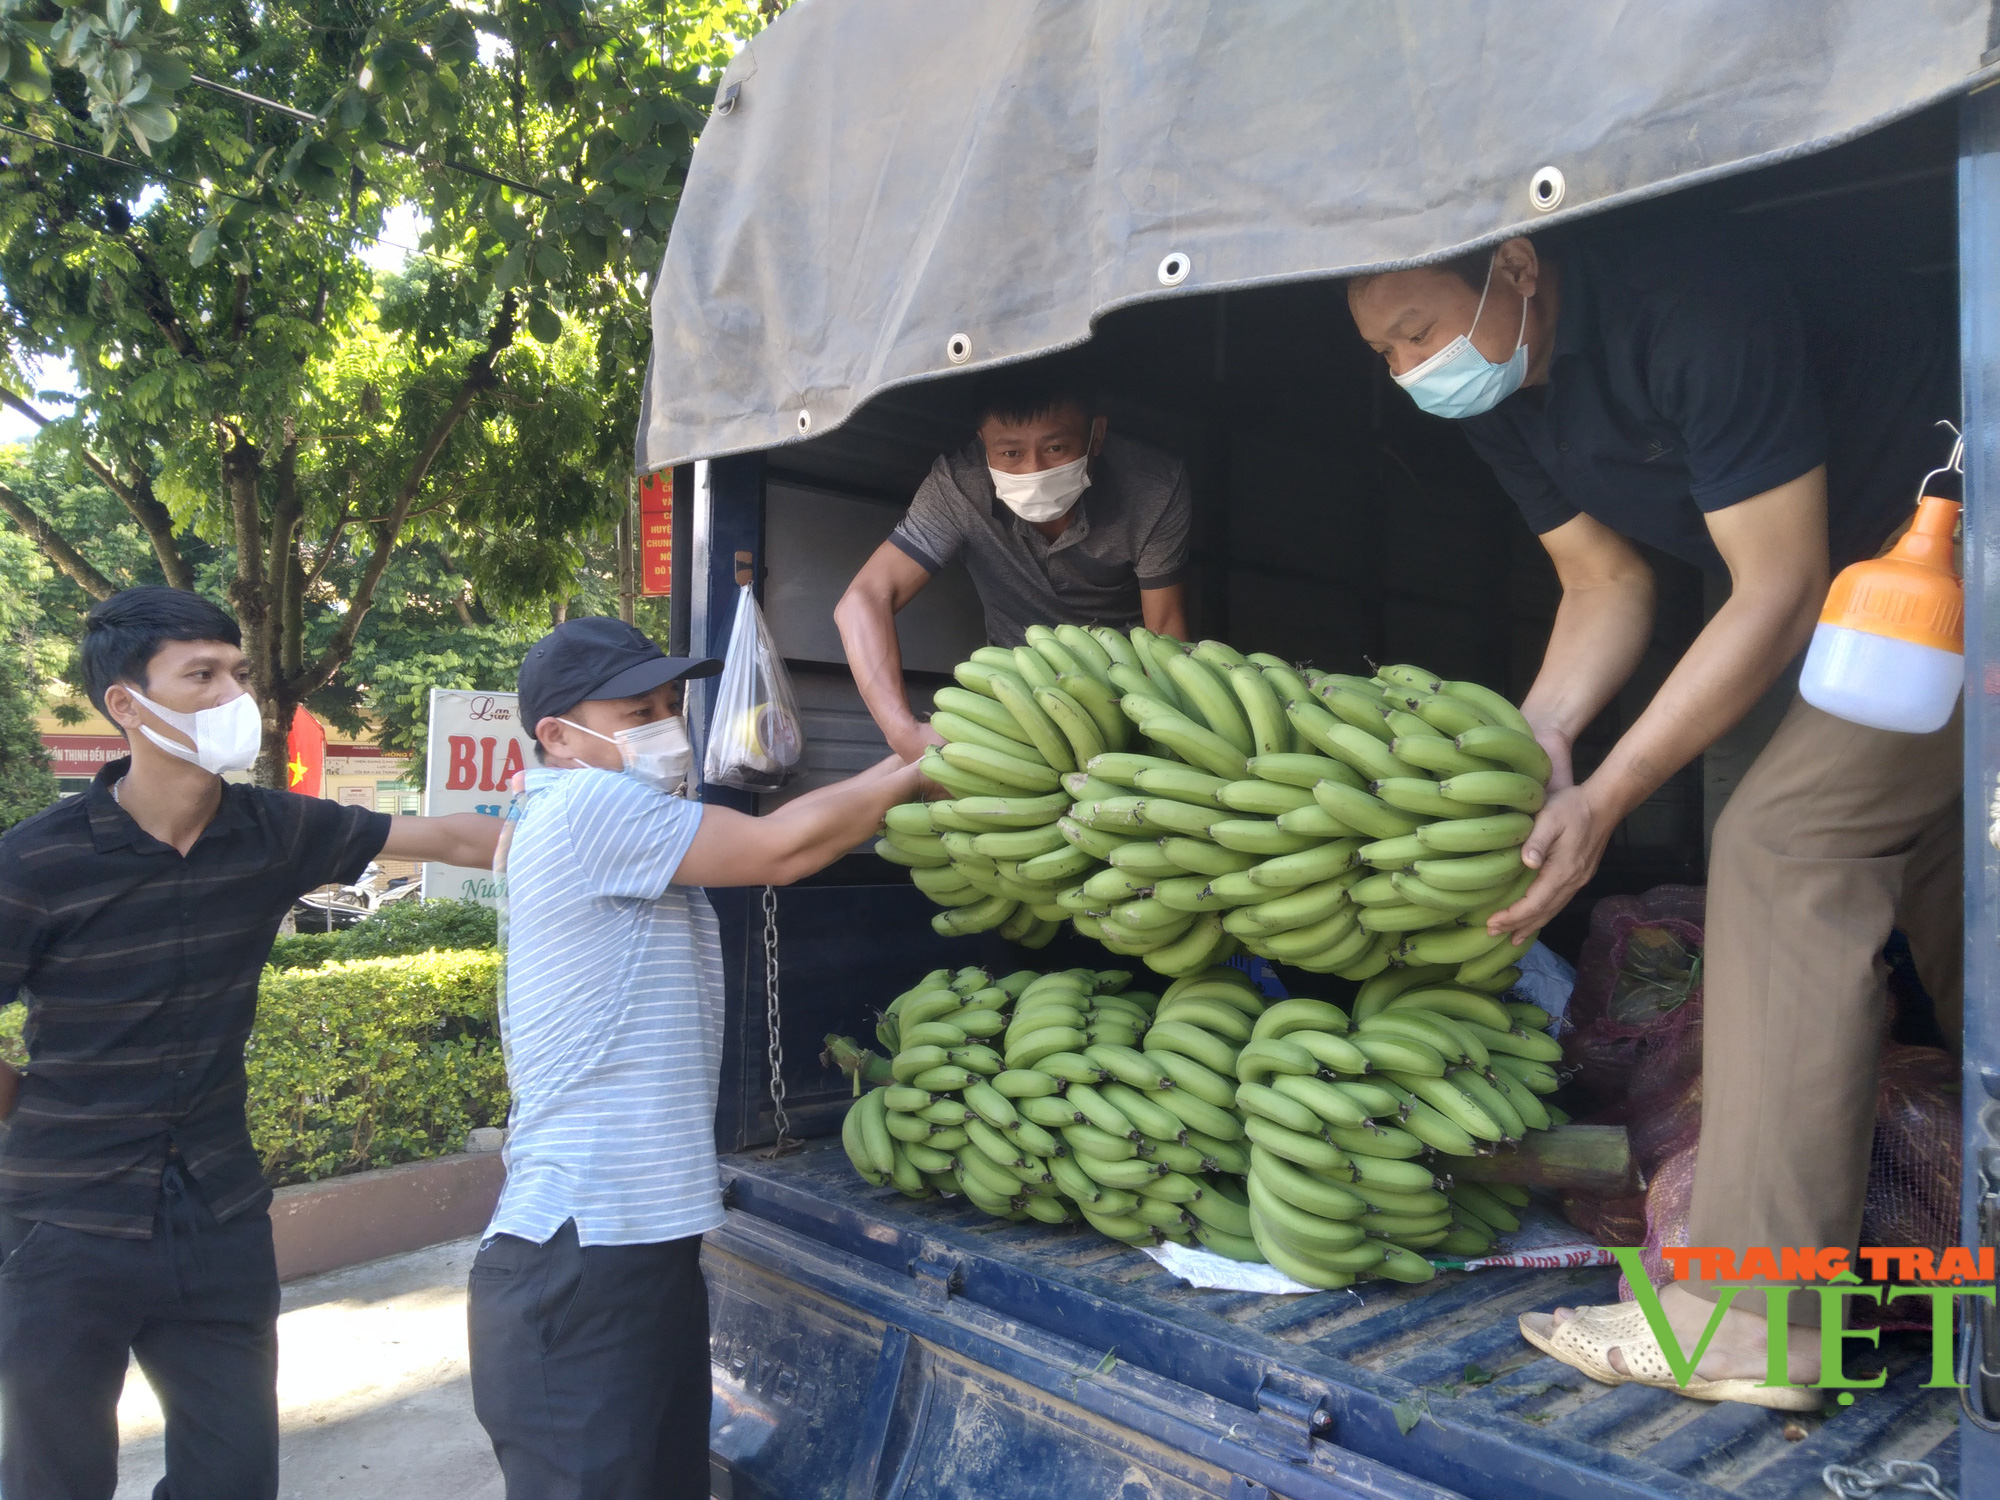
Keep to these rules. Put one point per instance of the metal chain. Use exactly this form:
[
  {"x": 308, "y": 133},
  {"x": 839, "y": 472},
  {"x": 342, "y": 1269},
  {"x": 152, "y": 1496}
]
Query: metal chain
[
  {"x": 775, "y": 1052},
  {"x": 1869, "y": 1480}
]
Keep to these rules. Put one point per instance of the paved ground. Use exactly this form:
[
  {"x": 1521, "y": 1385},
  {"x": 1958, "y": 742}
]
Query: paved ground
[{"x": 373, "y": 1398}]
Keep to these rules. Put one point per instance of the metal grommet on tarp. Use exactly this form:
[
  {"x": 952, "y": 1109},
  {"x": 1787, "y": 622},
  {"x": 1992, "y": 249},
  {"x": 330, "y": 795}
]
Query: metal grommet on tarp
[
  {"x": 1546, "y": 188},
  {"x": 958, "y": 348},
  {"x": 1174, "y": 269},
  {"x": 805, "y": 421}
]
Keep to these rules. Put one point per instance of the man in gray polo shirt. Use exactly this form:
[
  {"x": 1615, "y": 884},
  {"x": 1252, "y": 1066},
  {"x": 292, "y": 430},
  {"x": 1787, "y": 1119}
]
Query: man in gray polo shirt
[{"x": 1056, "y": 519}]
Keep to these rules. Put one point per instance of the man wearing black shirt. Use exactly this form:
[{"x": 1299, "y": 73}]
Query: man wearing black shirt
[
  {"x": 134, "y": 921},
  {"x": 1771, "y": 424}
]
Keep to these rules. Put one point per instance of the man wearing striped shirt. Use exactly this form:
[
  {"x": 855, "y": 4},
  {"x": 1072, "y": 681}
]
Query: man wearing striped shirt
[{"x": 588, "y": 1314}]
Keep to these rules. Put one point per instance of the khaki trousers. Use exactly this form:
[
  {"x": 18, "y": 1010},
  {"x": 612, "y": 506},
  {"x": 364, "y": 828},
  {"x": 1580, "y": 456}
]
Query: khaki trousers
[{"x": 1836, "y": 834}]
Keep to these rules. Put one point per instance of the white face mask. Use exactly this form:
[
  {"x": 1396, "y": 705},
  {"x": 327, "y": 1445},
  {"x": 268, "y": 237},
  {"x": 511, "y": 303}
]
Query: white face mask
[
  {"x": 1044, "y": 495},
  {"x": 657, "y": 754},
  {"x": 226, "y": 737}
]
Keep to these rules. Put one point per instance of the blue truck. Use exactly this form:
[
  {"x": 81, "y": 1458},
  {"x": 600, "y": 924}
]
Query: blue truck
[{"x": 889, "y": 195}]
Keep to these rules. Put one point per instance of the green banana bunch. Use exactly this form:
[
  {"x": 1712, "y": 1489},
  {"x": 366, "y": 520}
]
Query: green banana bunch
[{"x": 1241, "y": 764}]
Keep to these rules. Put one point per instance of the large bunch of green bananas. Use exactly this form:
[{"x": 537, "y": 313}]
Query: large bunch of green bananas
[
  {"x": 1285, "y": 1132},
  {"x": 1177, "y": 803},
  {"x": 1348, "y": 1120},
  {"x": 1029, "y": 1096}
]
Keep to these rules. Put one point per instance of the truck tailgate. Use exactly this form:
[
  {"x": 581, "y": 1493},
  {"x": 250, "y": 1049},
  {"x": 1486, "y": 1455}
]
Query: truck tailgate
[{"x": 866, "y": 1345}]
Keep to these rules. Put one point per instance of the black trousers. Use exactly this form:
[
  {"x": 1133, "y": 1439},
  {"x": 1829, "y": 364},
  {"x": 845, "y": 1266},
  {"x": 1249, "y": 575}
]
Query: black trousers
[
  {"x": 590, "y": 1367},
  {"x": 197, "y": 1305}
]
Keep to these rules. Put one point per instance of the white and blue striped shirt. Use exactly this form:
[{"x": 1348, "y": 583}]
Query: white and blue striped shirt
[{"x": 611, "y": 1017}]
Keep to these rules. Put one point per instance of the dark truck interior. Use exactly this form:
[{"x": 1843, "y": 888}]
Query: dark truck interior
[{"x": 1335, "y": 523}]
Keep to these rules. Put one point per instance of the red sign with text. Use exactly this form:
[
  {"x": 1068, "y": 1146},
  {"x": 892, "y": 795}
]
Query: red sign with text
[
  {"x": 476, "y": 746},
  {"x": 83, "y": 755},
  {"x": 656, "y": 533}
]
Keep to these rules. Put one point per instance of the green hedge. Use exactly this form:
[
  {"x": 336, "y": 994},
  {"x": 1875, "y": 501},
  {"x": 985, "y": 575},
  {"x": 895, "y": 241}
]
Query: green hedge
[
  {"x": 373, "y": 1062},
  {"x": 401, "y": 927},
  {"x": 358, "y": 1060},
  {"x": 306, "y": 950}
]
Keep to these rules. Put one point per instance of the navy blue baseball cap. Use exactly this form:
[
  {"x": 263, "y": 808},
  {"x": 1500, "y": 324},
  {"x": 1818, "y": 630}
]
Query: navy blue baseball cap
[{"x": 597, "y": 657}]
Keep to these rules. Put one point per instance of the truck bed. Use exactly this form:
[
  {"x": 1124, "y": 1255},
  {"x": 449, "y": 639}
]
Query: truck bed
[{"x": 867, "y": 1346}]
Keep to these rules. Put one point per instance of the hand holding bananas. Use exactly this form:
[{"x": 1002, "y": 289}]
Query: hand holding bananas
[
  {"x": 1286, "y": 1132},
  {"x": 1570, "y": 836},
  {"x": 1178, "y": 803}
]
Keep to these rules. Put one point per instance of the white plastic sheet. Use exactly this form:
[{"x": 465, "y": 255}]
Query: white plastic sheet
[{"x": 1543, "y": 1241}]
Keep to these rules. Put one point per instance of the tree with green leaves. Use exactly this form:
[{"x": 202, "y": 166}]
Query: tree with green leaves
[
  {"x": 27, "y": 785},
  {"x": 35, "y": 635},
  {"x": 181, "y": 199}
]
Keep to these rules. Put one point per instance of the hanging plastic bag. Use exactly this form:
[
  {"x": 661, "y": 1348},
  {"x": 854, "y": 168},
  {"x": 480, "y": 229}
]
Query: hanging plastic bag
[{"x": 754, "y": 736}]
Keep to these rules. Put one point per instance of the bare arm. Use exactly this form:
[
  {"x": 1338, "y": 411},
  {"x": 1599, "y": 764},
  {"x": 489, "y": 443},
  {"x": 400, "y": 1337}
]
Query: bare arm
[
  {"x": 1165, "y": 610},
  {"x": 1601, "y": 629},
  {"x": 460, "y": 839},
  {"x": 1775, "y": 547},
  {"x": 866, "y": 618},
  {"x": 804, "y": 835}
]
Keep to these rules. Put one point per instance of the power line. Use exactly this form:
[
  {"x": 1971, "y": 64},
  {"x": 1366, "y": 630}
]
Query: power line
[
  {"x": 290, "y": 113},
  {"x": 132, "y": 166},
  {"x": 204, "y": 187},
  {"x": 262, "y": 103}
]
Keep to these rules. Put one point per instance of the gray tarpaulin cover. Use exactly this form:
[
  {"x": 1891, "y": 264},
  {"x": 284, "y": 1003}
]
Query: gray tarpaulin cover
[{"x": 900, "y": 189}]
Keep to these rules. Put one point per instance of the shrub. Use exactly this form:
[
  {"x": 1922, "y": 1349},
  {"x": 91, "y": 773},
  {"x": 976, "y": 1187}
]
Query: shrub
[
  {"x": 402, "y": 927},
  {"x": 306, "y": 950},
  {"x": 375, "y": 1061},
  {"x": 419, "y": 926}
]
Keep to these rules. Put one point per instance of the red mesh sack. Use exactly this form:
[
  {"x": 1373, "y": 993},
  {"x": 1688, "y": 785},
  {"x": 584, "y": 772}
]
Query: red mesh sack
[
  {"x": 1916, "y": 1161},
  {"x": 1609, "y": 1221},
  {"x": 1666, "y": 1124},
  {"x": 1612, "y": 981},
  {"x": 1913, "y": 1176},
  {"x": 1602, "y": 1065},
  {"x": 1637, "y": 1006},
  {"x": 1668, "y": 1196},
  {"x": 1637, "y": 1043}
]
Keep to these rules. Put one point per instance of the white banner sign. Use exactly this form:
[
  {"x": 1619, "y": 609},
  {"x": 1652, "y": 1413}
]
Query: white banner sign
[{"x": 476, "y": 745}]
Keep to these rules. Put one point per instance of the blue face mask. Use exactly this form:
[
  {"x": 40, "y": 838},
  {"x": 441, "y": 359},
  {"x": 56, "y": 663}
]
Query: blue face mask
[{"x": 1459, "y": 381}]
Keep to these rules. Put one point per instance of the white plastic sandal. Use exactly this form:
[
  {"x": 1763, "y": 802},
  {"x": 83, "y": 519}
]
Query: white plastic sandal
[{"x": 1585, "y": 1343}]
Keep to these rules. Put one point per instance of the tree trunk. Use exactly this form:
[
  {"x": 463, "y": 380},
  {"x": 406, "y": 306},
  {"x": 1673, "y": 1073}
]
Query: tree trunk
[
  {"x": 137, "y": 497},
  {"x": 250, "y": 594},
  {"x": 158, "y": 524},
  {"x": 269, "y": 588},
  {"x": 278, "y": 709},
  {"x": 68, "y": 561}
]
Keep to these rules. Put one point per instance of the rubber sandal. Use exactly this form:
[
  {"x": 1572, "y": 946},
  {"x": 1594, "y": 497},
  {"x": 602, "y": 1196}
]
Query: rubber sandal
[{"x": 1585, "y": 1343}]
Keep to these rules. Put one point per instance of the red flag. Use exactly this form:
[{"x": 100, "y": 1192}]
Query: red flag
[{"x": 305, "y": 754}]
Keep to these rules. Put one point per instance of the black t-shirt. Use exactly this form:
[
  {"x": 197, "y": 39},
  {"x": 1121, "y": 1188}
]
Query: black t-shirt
[
  {"x": 140, "y": 966},
  {"x": 1692, "y": 372}
]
